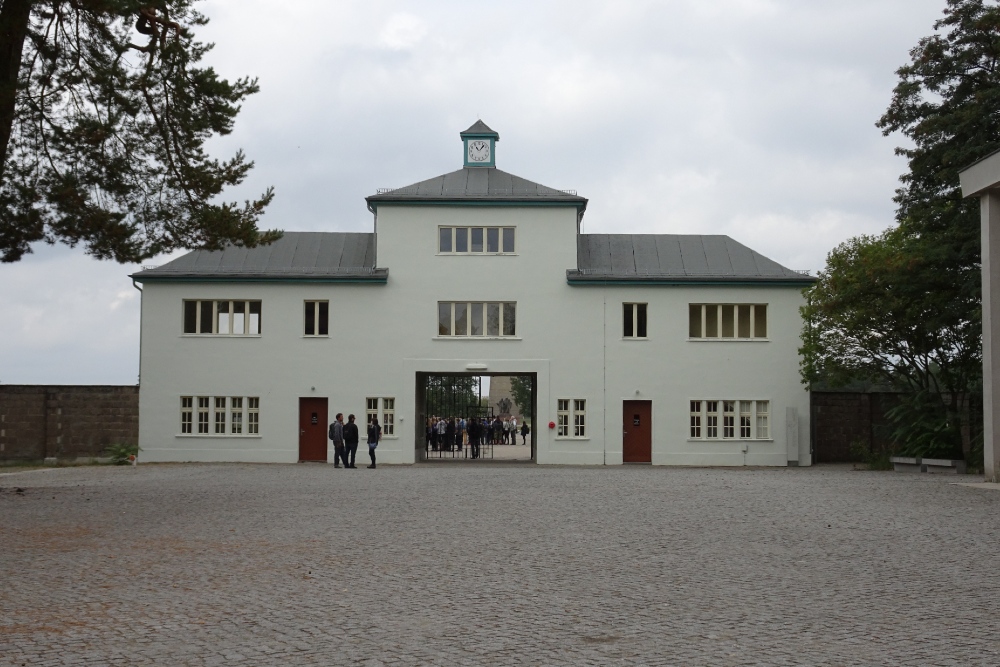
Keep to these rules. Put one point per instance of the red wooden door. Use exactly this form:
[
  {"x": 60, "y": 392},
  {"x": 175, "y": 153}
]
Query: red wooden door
[
  {"x": 637, "y": 432},
  {"x": 312, "y": 429}
]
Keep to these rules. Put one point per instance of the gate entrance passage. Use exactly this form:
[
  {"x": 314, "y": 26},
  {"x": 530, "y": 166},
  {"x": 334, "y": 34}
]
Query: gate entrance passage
[{"x": 475, "y": 417}]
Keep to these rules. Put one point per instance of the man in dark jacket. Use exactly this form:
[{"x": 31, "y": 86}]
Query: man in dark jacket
[
  {"x": 350, "y": 441},
  {"x": 337, "y": 435}
]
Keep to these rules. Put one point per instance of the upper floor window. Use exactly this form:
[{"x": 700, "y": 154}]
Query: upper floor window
[
  {"x": 478, "y": 240},
  {"x": 477, "y": 318},
  {"x": 317, "y": 318},
  {"x": 634, "y": 320},
  {"x": 222, "y": 318},
  {"x": 741, "y": 320}
]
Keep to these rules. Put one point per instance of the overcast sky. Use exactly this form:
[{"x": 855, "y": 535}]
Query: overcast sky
[{"x": 751, "y": 118}]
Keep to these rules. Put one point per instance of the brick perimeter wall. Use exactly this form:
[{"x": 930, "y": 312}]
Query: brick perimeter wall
[{"x": 66, "y": 421}]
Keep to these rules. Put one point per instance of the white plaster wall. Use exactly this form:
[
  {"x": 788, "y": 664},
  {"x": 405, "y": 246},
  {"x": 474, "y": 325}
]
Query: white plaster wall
[{"x": 381, "y": 336}]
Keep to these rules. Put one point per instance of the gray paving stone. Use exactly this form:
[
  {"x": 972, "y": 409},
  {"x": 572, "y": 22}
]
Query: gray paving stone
[{"x": 497, "y": 565}]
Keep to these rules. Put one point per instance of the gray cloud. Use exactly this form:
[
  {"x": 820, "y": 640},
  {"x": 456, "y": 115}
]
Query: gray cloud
[{"x": 753, "y": 118}]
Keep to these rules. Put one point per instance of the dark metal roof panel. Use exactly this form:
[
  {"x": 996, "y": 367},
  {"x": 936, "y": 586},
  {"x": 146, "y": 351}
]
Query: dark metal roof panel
[
  {"x": 477, "y": 184},
  {"x": 647, "y": 260},
  {"x": 717, "y": 256},
  {"x": 693, "y": 256},
  {"x": 622, "y": 255},
  {"x": 668, "y": 251}
]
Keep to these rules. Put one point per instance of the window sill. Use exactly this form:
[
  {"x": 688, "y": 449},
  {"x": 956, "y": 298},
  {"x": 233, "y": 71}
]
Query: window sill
[
  {"x": 476, "y": 254},
  {"x": 570, "y": 437},
  {"x": 730, "y": 440},
  {"x": 220, "y": 436},
  {"x": 635, "y": 338},
  {"x": 476, "y": 338},
  {"x": 187, "y": 335},
  {"x": 729, "y": 340},
  {"x": 307, "y": 337}
]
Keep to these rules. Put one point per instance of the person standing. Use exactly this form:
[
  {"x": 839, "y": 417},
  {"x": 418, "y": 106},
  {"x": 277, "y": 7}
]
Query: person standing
[
  {"x": 350, "y": 441},
  {"x": 473, "y": 427},
  {"x": 524, "y": 433},
  {"x": 374, "y": 435},
  {"x": 337, "y": 435}
]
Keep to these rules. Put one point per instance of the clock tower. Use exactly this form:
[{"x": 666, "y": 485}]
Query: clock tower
[{"x": 479, "y": 142}]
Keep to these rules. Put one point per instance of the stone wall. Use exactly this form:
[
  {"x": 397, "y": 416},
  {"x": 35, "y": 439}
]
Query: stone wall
[{"x": 66, "y": 421}]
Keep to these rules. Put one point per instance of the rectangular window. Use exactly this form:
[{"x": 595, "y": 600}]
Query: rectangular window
[
  {"x": 741, "y": 321},
  {"x": 571, "y": 411},
  {"x": 203, "y": 414},
  {"x": 750, "y": 413},
  {"x": 562, "y": 418},
  {"x": 496, "y": 319},
  {"x": 634, "y": 320},
  {"x": 728, "y": 419},
  {"x": 476, "y": 240},
  {"x": 220, "y": 414},
  {"x": 222, "y": 318},
  {"x": 763, "y": 432},
  {"x": 579, "y": 418},
  {"x": 236, "y": 415},
  {"x": 712, "y": 419},
  {"x": 317, "y": 318},
  {"x": 187, "y": 403},
  {"x": 386, "y": 416},
  {"x": 253, "y": 415},
  {"x": 695, "y": 419}
]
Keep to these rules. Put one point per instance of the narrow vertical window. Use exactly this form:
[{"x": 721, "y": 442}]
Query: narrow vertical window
[
  {"x": 744, "y": 328},
  {"x": 444, "y": 244},
  {"x": 477, "y": 239},
  {"x": 239, "y": 317},
  {"x": 310, "y": 318},
  {"x": 628, "y": 320},
  {"x": 634, "y": 320},
  {"x": 745, "y": 414},
  {"x": 187, "y": 403},
  {"x": 492, "y": 239},
  {"x": 562, "y": 416},
  {"x": 760, "y": 321},
  {"x": 763, "y": 430},
  {"x": 728, "y": 325},
  {"x": 695, "y": 419},
  {"x": 711, "y": 321},
  {"x": 253, "y": 415},
  {"x": 223, "y": 311},
  {"x": 509, "y": 319},
  {"x": 371, "y": 409},
  {"x": 508, "y": 239},
  {"x": 711, "y": 419},
  {"x": 493, "y": 319},
  {"x": 580, "y": 418},
  {"x": 461, "y": 319},
  {"x": 461, "y": 239},
  {"x": 477, "y": 320},
  {"x": 388, "y": 416},
  {"x": 220, "y": 414},
  {"x": 207, "y": 317},
  {"x": 253, "y": 323},
  {"x": 190, "y": 317},
  {"x": 728, "y": 419},
  {"x": 236, "y": 415},
  {"x": 324, "y": 318},
  {"x": 444, "y": 318},
  {"x": 694, "y": 321},
  {"x": 203, "y": 414},
  {"x": 640, "y": 320}
]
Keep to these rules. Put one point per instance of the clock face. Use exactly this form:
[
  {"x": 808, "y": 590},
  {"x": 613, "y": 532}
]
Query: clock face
[{"x": 479, "y": 150}]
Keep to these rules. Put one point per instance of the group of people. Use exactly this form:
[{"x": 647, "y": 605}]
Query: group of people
[
  {"x": 345, "y": 440},
  {"x": 448, "y": 434}
]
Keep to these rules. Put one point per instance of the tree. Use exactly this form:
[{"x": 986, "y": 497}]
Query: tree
[
  {"x": 104, "y": 115},
  {"x": 451, "y": 395},
  {"x": 883, "y": 311},
  {"x": 520, "y": 390}
]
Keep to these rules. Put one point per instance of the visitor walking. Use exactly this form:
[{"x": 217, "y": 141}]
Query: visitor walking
[{"x": 337, "y": 435}]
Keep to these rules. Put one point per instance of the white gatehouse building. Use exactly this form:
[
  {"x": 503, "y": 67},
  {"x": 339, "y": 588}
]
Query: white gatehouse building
[{"x": 659, "y": 348}]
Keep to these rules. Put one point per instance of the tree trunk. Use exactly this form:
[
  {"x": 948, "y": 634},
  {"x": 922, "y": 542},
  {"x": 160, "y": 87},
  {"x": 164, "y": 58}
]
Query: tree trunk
[{"x": 14, "y": 17}]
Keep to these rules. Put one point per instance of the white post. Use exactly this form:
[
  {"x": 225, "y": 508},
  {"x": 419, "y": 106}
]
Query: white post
[{"x": 990, "y": 223}]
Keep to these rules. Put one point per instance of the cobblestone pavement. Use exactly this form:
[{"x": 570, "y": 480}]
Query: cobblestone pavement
[{"x": 495, "y": 564}]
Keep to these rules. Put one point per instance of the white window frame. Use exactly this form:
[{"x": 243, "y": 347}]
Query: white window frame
[
  {"x": 571, "y": 413},
  {"x": 735, "y": 321},
  {"x": 230, "y": 320},
  {"x": 636, "y": 306},
  {"x": 468, "y": 335},
  {"x": 385, "y": 408},
  {"x": 742, "y": 419},
  {"x": 316, "y": 319},
  {"x": 500, "y": 230},
  {"x": 238, "y": 416}
]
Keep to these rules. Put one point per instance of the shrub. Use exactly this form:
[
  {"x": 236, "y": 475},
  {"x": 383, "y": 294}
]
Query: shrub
[{"x": 120, "y": 453}]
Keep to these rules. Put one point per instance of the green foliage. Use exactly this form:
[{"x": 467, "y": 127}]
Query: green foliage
[
  {"x": 876, "y": 458},
  {"x": 103, "y": 131},
  {"x": 920, "y": 426},
  {"x": 520, "y": 389},
  {"x": 451, "y": 395},
  {"x": 121, "y": 452}
]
